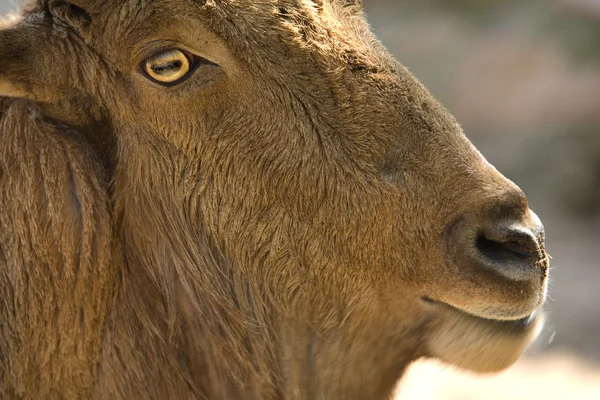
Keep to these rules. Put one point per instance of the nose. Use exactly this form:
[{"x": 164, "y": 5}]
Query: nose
[{"x": 502, "y": 236}]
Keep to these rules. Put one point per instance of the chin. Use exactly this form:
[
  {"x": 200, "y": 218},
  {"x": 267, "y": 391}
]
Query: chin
[{"x": 479, "y": 344}]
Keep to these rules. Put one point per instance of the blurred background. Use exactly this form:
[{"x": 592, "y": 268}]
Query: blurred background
[{"x": 523, "y": 79}]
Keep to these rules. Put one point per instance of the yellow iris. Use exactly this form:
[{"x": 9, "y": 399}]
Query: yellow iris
[{"x": 167, "y": 67}]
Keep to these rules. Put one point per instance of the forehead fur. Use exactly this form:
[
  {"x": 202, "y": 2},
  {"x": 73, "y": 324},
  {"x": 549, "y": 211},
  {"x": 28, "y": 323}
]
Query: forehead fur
[
  {"x": 330, "y": 27},
  {"x": 251, "y": 28}
]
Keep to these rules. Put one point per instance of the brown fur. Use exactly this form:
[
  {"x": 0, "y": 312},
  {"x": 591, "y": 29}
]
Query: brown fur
[{"x": 267, "y": 229}]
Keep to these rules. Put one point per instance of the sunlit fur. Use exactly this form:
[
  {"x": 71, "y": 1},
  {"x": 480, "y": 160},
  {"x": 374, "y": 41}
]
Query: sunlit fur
[{"x": 267, "y": 229}]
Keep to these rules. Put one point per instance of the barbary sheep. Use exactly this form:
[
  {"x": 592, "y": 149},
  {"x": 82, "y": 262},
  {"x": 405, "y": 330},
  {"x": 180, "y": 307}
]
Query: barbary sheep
[{"x": 242, "y": 199}]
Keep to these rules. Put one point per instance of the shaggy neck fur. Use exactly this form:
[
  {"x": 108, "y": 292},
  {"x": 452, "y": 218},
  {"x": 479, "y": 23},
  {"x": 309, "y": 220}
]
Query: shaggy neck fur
[{"x": 190, "y": 322}]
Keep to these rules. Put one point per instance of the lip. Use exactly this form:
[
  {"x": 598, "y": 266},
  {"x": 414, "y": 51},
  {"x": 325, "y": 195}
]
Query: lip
[
  {"x": 511, "y": 324},
  {"x": 477, "y": 343}
]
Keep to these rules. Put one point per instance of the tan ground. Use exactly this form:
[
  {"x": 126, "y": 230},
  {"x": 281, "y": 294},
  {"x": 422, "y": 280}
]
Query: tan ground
[{"x": 553, "y": 376}]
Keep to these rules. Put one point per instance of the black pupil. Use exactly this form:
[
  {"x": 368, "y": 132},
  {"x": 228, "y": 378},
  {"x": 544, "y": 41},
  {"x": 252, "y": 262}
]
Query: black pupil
[{"x": 167, "y": 68}]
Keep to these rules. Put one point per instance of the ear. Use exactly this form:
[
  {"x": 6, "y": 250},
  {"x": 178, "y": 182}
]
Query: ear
[
  {"x": 17, "y": 61},
  {"x": 33, "y": 61}
]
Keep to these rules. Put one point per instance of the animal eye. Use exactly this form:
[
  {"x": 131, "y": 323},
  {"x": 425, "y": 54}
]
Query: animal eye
[{"x": 168, "y": 67}]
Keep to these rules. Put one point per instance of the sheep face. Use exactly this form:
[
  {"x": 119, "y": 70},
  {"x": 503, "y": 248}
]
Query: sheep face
[{"x": 344, "y": 204}]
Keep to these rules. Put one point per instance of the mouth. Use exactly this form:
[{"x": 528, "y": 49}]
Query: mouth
[
  {"x": 476, "y": 343},
  {"x": 509, "y": 325}
]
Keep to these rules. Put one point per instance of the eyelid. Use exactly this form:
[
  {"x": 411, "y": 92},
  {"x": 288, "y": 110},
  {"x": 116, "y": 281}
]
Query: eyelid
[{"x": 155, "y": 47}]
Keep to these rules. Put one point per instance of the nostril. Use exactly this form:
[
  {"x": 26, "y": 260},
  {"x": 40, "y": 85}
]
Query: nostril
[
  {"x": 510, "y": 247},
  {"x": 501, "y": 251}
]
